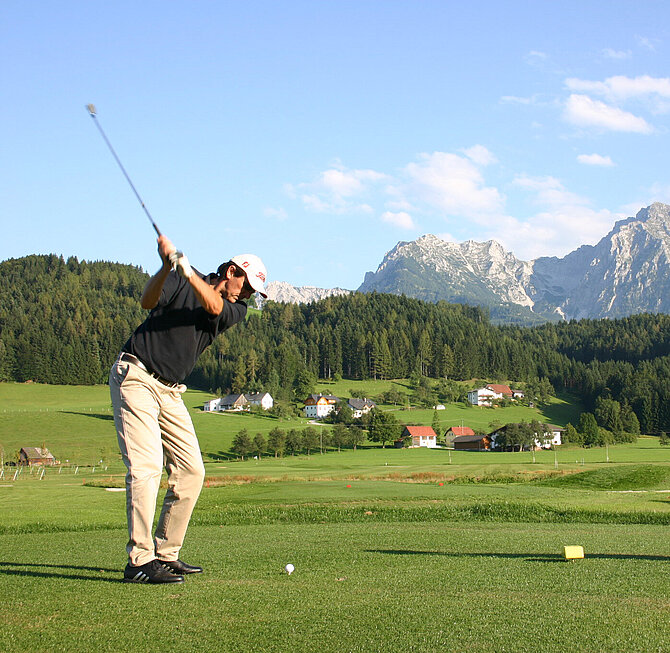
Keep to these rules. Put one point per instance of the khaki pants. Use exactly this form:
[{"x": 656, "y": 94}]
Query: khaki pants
[{"x": 154, "y": 430}]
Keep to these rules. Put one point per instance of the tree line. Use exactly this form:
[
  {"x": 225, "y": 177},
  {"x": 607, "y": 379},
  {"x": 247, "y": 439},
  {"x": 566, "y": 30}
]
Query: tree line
[{"x": 64, "y": 321}]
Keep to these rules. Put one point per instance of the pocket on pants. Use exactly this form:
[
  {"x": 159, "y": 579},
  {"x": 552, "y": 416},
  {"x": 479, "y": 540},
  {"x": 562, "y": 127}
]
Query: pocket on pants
[{"x": 119, "y": 372}]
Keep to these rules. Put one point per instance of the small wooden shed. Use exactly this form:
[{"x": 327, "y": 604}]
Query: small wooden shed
[
  {"x": 472, "y": 442},
  {"x": 35, "y": 456}
]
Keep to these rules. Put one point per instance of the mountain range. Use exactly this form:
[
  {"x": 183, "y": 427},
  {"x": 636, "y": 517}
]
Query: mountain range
[
  {"x": 280, "y": 291},
  {"x": 627, "y": 272}
]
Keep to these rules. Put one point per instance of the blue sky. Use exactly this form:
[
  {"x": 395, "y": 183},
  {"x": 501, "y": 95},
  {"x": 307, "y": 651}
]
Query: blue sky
[{"x": 319, "y": 134}]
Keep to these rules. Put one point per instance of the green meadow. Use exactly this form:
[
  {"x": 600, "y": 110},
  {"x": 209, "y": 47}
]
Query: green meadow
[
  {"x": 394, "y": 549},
  {"x": 76, "y": 424}
]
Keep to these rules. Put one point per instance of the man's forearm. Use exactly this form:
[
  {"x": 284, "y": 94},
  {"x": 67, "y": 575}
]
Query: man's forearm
[
  {"x": 152, "y": 290},
  {"x": 209, "y": 298}
]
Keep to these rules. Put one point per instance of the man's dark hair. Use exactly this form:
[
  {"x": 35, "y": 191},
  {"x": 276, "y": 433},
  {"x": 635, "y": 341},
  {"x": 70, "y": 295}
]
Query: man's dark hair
[{"x": 223, "y": 269}]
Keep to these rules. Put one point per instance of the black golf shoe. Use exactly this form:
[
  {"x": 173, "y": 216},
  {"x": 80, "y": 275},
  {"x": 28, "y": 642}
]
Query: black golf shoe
[
  {"x": 151, "y": 572},
  {"x": 180, "y": 567}
]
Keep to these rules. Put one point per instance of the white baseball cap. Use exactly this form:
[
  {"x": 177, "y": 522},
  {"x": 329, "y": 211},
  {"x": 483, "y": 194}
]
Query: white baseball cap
[{"x": 254, "y": 269}]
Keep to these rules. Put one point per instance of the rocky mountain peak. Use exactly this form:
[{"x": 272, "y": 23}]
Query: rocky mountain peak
[
  {"x": 628, "y": 271},
  {"x": 280, "y": 291}
]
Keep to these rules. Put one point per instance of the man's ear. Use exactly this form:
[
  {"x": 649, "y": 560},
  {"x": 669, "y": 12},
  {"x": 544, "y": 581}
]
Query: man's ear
[{"x": 230, "y": 272}]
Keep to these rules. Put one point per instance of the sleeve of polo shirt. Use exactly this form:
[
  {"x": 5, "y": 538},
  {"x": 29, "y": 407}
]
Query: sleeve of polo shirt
[
  {"x": 231, "y": 314},
  {"x": 172, "y": 285}
]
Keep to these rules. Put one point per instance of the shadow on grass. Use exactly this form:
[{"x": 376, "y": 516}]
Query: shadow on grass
[
  {"x": 29, "y": 569},
  {"x": 221, "y": 456},
  {"x": 94, "y": 415},
  {"x": 530, "y": 557},
  {"x": 562, "y": 413}
]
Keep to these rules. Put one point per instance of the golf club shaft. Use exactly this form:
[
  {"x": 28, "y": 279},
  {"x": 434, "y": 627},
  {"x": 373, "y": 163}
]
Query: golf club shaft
[{"x": 91, "y": 110}]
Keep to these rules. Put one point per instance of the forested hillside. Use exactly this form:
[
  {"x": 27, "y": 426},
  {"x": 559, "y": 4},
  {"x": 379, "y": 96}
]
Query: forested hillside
[{"x": 64, "y": 322}]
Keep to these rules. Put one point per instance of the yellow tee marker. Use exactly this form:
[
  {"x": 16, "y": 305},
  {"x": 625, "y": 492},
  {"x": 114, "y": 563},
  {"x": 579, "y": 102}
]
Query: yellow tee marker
[{"x": 573, "y": 552}]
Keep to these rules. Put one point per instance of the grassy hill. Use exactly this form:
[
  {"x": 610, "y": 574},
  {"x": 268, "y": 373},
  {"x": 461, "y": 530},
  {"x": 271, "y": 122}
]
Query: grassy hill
[{"x": 75, "y": 422}]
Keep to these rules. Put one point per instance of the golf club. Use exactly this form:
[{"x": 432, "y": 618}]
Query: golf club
[{"x": 91, "y": 110}]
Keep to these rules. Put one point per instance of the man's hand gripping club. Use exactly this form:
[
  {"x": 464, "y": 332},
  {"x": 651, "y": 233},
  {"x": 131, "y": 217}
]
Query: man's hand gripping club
[
  {"x": 210, "y": 299},
  {"x": 179, "y": 262},
  {"x": 173, "y": 259}
]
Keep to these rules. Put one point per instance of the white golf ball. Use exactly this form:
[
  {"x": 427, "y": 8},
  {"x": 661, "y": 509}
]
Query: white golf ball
[{"x": 289, "y": 568}]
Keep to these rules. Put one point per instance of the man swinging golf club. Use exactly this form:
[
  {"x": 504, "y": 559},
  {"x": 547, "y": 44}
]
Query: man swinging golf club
[{"x": 154, "y": 429}]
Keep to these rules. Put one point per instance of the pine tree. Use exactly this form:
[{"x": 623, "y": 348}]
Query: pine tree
[{"x": 242, "y": 444}]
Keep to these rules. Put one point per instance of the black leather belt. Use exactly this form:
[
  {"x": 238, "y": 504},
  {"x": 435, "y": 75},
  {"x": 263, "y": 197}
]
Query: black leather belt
[{"x": 129, "y": 358}]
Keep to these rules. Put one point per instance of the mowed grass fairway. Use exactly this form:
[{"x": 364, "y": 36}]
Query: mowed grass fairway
[
  {"x": 394, "y": 550},
  {"x": 357, "y": 587}
]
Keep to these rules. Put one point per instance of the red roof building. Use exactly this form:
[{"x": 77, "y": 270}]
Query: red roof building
[
  {"x": 457, "y": 431},
  {"x": 504, "y": 390},
  {"x": 422, "y": 436}
]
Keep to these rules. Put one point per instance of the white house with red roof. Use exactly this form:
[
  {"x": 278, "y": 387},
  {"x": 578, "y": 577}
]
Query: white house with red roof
[
  {"x": 422, "y": 436},
  {"x": 318, "y": 406},
  {"x": 491, "y": 392}
]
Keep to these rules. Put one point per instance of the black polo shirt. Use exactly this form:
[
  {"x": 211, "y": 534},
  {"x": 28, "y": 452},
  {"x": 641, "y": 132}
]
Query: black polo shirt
[{"x": 179, "y": 329}]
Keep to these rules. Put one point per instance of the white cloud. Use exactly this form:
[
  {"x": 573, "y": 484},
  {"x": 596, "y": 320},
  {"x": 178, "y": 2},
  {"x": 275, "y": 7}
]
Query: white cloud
[
  {"x": 647, "y": 43},
  {"x": 278, "y": 214},
  {"x": 399, "y": 203},
  {"x": 628, "y": 87},
  {"x": 514, "y": 99},
  {"x": 451, "y": 187},
  {"x": 621, "y": 88},
  {"x": 609, "y": 53},
  {"x": 535, "y": 58},
  {"x": 480, "y": 155},
  {"x": 555, "y": 232},
  {"x": 346, "y": 183},
  {"x": 659, "y": 192},
  {"x": 595, "y": 160},
  {"x": 582, "y": 111},
  {"x": 401, "y": 219},
  {"x": 549, "y": 191},
  {"x": 565, "y": 221},
  {"x": 451, "y": 183},
  {"x": 337, "y": 190},
  {"x": 447, "y": 237}
]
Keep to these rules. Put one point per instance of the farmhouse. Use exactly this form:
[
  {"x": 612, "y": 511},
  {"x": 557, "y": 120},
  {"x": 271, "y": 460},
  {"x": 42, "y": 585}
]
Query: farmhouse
[
  {"x": 234, "y": 402},
  {"x": 212, "y": 405},
  {"x": 239, "y": 402},
  {"x": 360, "y": 407},
  {"x": 489, "y": 393},
  {"x": 482, "y": 396},
  {"x": 35, "y": 456},
  {"x": 421, "y": 436},
  {"x": 262, "y": 399},
  {"x": 551, "y": 436},
  {"x": 472, "y": 442},
  {"x": 318, "y": 406},
  {"x": 457, "y": 432}
]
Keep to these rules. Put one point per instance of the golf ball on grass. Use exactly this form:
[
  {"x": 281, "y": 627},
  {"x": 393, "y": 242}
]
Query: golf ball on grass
[{"x": 289, "y": 568}]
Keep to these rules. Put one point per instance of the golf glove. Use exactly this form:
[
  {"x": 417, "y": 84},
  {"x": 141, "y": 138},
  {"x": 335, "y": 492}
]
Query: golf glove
[{"x": 180, "y": 263}]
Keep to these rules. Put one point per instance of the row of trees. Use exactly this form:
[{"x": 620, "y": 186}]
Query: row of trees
[
  {"x": 384, "y": 427},
  {"x": 296, "y": 441},
  {"x": 64, "y": 321}
]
